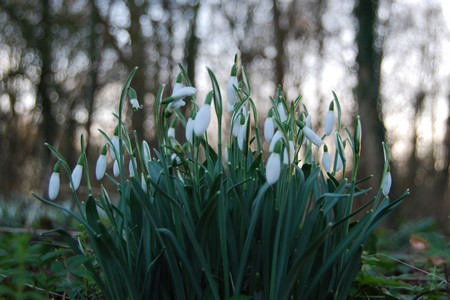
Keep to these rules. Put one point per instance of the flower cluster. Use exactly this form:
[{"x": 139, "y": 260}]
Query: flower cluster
[{"x": 287, "y": 128}]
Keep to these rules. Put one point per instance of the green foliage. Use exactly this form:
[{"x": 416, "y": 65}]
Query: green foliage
[
  {"x": 411, "y": 263},
  {"x": 36, "y": 270},
  {"x": 202, "y": 223}
]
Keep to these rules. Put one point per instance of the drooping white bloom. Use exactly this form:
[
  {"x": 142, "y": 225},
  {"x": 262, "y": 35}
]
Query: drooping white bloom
[
  {"x": 135, "y": 104},
  {"x": 133, "y": 99},
  {"x": 131, "y": 165},
  {"x": 54, "y": 185},
  {"x": 276, "y": 137},
  {"x": 202, "y": 120},
  {"x": 232, "y": 85},
  {"x": 269, "y": 129},
  {"x": 184, "y": 92},
  {"x": 312, "y": 136},
  {"x": 175, "y": 158},
  {"x": 116, "y": 170},
  {"x": 146, "y": 152},
  {"x": 387, "y": 184},
  {"x": 114, "y": 146},
  {"x": 171, "y": 132},
  {"x": 273, "y": 168},
  {"x": 190, "y": 130},
  {"x": 326, "y": 159},
  {"x": 329, "y": 122},
  {"x": 281, "y": 112},
  {"x": 100, "y": 168},
  {"x": 242, "y": 134},
  {"x": 76, "y": 176}
]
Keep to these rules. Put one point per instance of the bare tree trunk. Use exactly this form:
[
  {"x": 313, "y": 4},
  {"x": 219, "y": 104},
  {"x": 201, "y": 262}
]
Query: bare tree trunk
[
  {"x": 367, "y": 92},
  {"x": 280, "y": 32}
]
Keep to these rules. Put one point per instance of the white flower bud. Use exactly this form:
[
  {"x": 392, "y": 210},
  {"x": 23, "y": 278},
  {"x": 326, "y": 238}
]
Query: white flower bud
[
  {"x": 76, "y": 176},
  {"x": 202, "y": 120},
  {"x": 387, "y": 184},
  {"x": 326, "y": 160},
  {"x": 190, "y": 130},
  {"x": 269, "y": 129},
  {"x": 116, "y": 170},
  {"x": 273, "y": 168},
  {"x": 100, "y": 168},
  {"x": 329, "y": 122},
  {"x": 231, "y": 93},
  {"x": 312, "y": 136},
  {"x": 53, "y": 186}
]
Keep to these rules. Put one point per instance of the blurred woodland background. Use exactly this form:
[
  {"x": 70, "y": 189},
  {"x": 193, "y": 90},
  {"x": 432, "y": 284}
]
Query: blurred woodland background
[{"x": 63, "y": 64}]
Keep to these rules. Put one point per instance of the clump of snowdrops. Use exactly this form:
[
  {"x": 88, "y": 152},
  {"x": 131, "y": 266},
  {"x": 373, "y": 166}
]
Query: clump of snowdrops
[{"x": 196, "y": 220}]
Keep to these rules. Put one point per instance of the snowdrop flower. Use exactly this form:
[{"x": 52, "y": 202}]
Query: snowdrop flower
[
  {"x": 183, "y": 92},
  {"x": 326, "y": 159},
  {"x": 114, "y": 145},
  {"x": 131, "y": 166},
  {"x": 116, "y": 170},
  {"x": 171, "y": 131},
  {"x": 100, "y": 168},
  {"x": 146, "y": 152},
  {"x": 242, "y": 134},
  {"x": 77, "y": 174},
  {"x": 329, "y": 119},
  {"x": 232, "y": 85},
  {"x": 387, "y": 184},
  {"x": 203, "y": 116},
  {"x": 174, "y": 157},
  {"x": 179, "y": 92},
  {"x": 54, "y": 183},
  {"x": 288, "y": 157},
  {"x": 190, "y": 130},
  {"x": 133, "y": 99},
  {"x": 236, "y": 120},
  {"x": 308, "y": 121},
  {"x": 269, "y": 126},
  {"x": 281, "y": 111},
  {"x": 310, "y": 134},
  {"x": 276, "y": 137},
  {"x": 273, "y": 166}
]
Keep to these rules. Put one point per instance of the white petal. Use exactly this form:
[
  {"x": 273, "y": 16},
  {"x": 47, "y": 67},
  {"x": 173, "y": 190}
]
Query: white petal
[
  {"x": 176, "y": 104},
  {"x": 273, "y": 168},
  {"x": 190, "y": 130},
  {"x": 176, "y": 87},
  {"x": 387, "y": 184},
  {"x": 231, "y": 92},
  {"x": 282, "y": 112},
  {"x": 241, "y": 135},
  {"x": 291, "y": 151},
  {"x": 269, "y": 129},
  {"x": 53, "y": 186},
  {"x": 116, "y": 170},
  {"x": 135, "y": 104},
  {"x": 326, "y": 161},
  {"x": 184, "y": 92},
  {"x": 308, "y": 121},
  {"x": 329, "y": 122},
  {"x": 76, "y": 176},
  {"x": 312, "y": 136},
  {"x": 114, "y": 145},
  {"x": 146, "y": 151},
  {"x": 278, "y": 135},
  {"x": 171, "y": 132},
  {"x": 202, "y": 120},
  {"x": 100, "y": 168}
]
